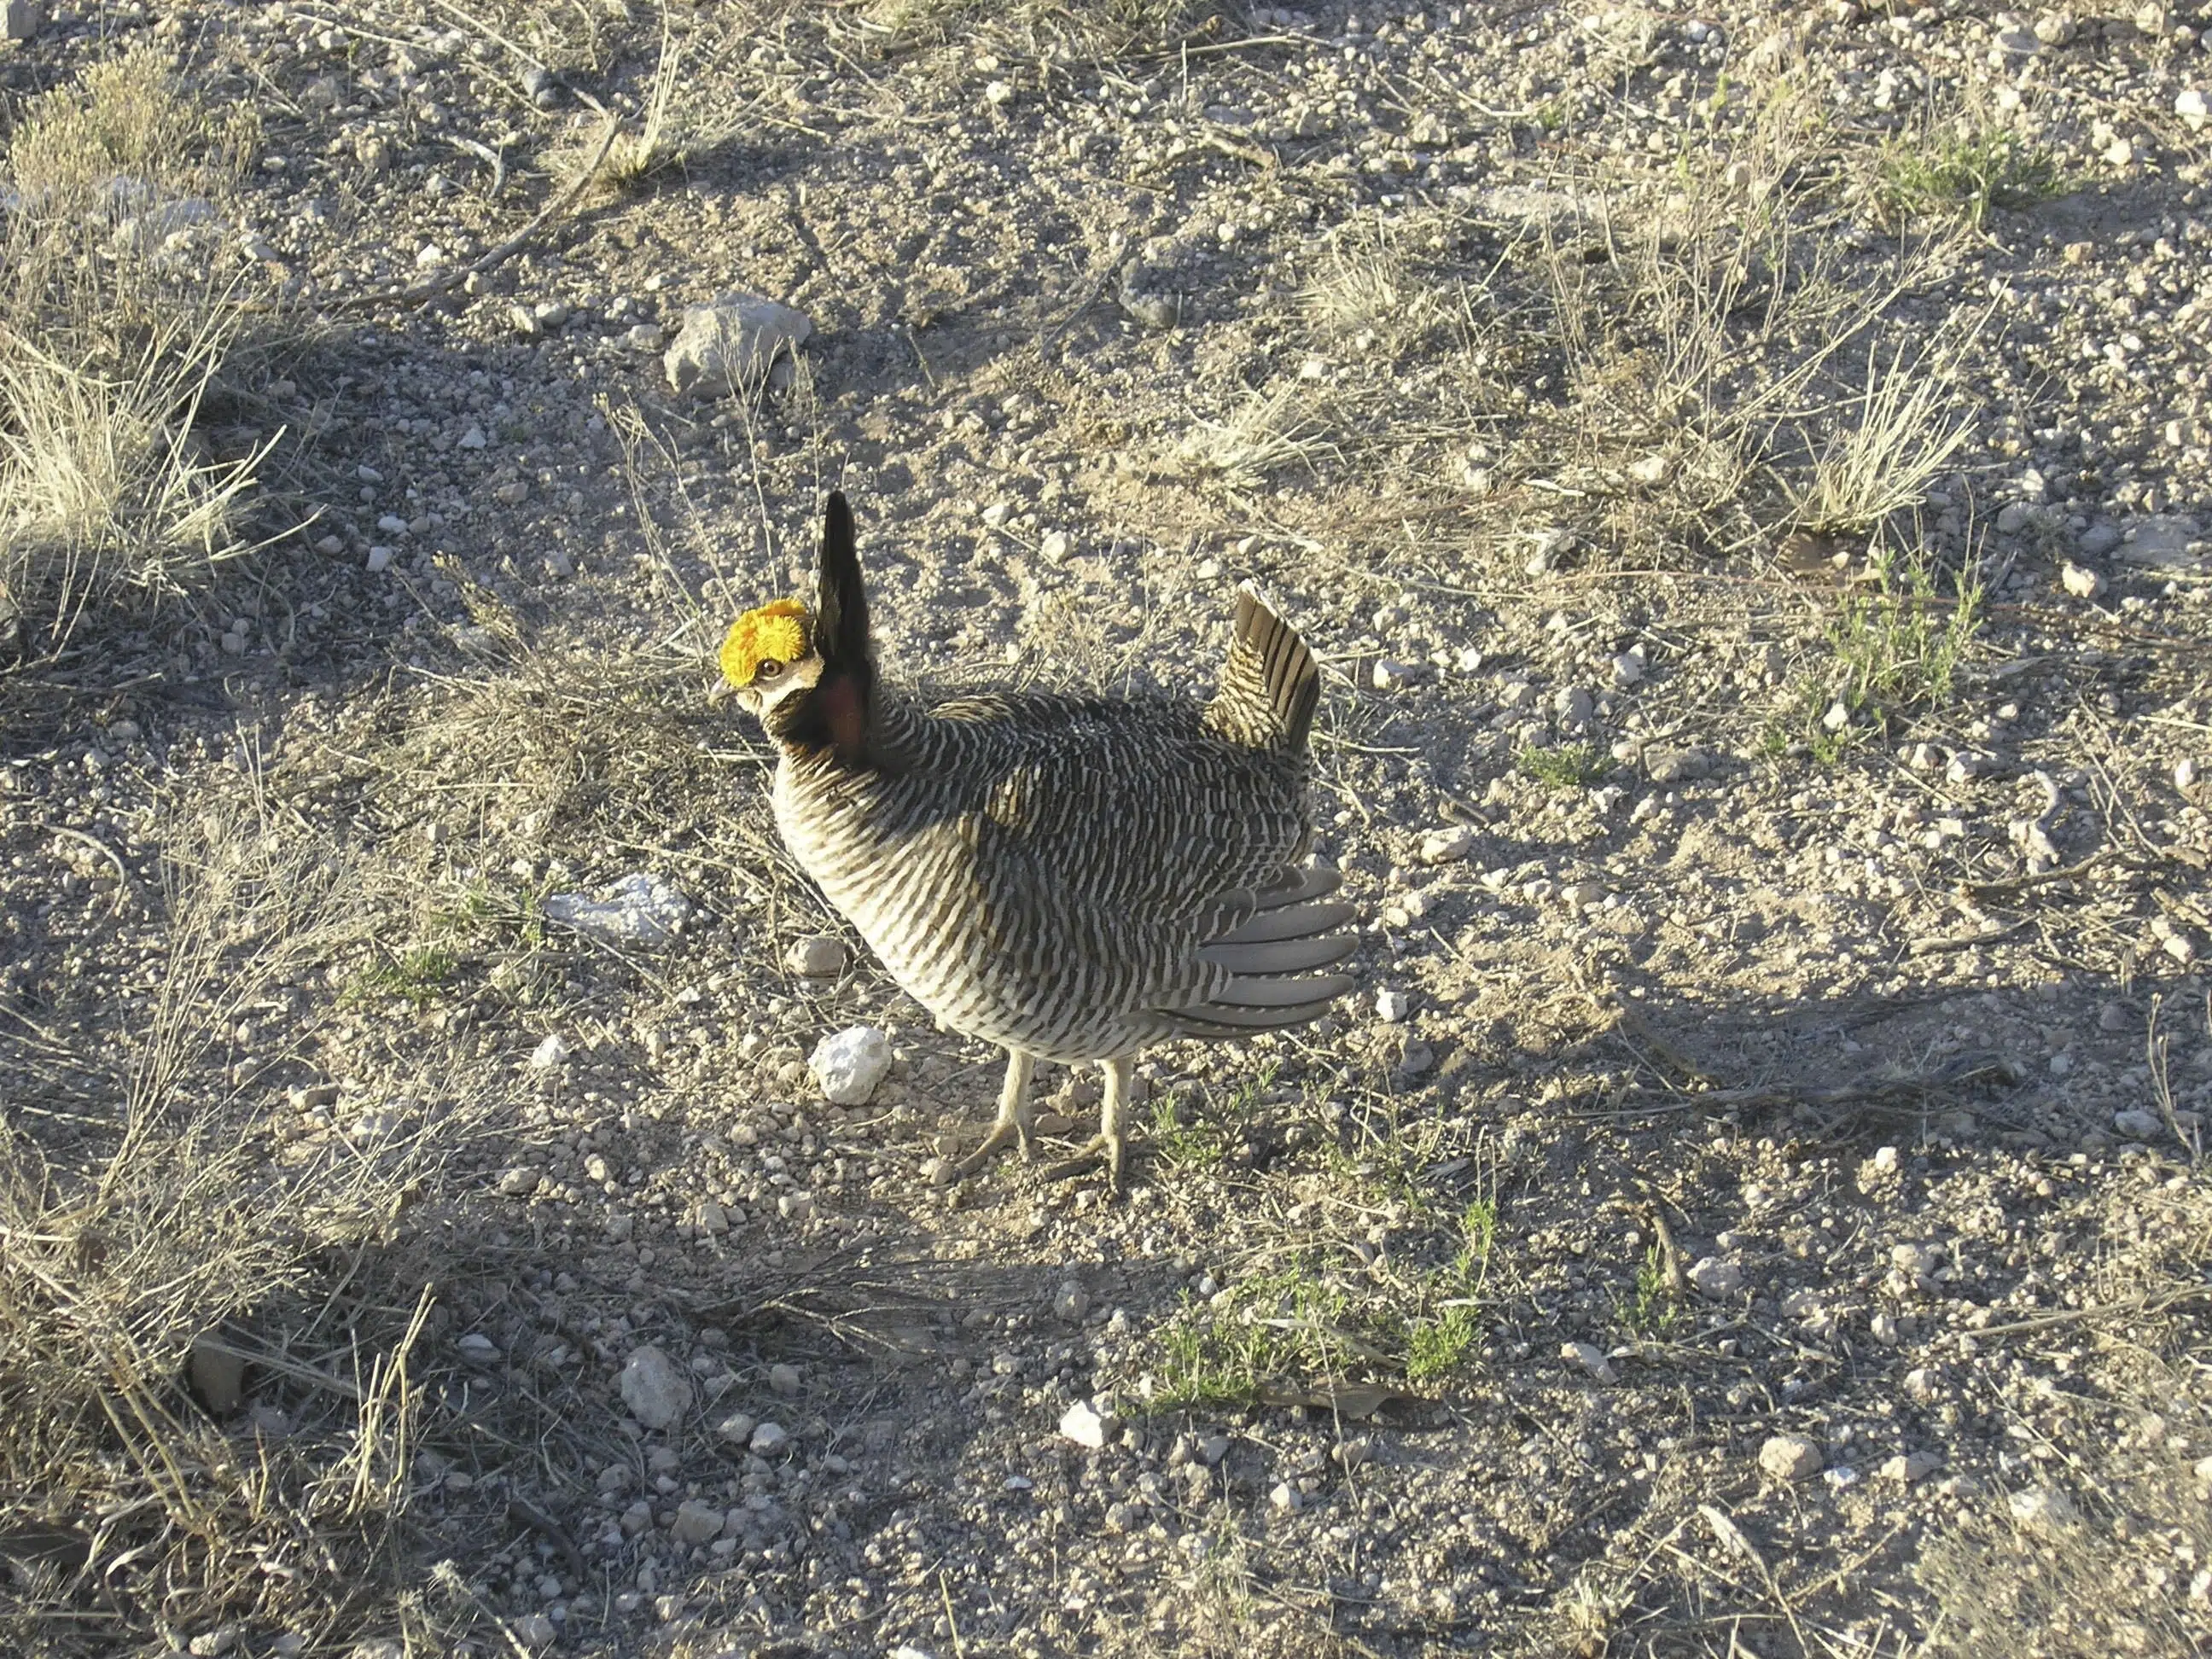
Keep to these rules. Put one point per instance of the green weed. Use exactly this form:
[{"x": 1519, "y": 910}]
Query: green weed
[
  {"x": 1570, "y": 766},
  {"x": 1964, "y": 172},
  {"x": 415, "y": 976},
  {"x": 1653, "y": 1311}
]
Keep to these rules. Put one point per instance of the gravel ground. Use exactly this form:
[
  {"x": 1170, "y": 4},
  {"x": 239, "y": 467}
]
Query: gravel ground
[{"x": 1754, "y": 1206}]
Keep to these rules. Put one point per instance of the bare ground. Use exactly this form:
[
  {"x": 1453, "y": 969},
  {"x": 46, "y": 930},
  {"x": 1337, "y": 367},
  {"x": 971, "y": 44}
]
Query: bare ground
[{"x": 1746, "y": 477}]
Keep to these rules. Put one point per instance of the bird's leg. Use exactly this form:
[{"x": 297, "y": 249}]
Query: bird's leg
[
  {"x": 1110, "y": 1116},
  {"x": 1013, "y": 1123},
  {"x": 1112, "y": 1121}
]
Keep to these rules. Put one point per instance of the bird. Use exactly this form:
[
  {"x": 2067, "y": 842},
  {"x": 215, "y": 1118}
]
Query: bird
[{"x": 1072, "y": 878}]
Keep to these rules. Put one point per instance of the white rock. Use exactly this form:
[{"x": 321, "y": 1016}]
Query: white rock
[
  {"x": 1447, "y": 846},
  {"x": 2080, "y": 580},
  {"x": 848, "y": 1065},
  {"x": 1582, "y": 895},
  {"x": 1909, "y": 1467},
  {"x": 795, "y": 1206},
  {"x": 549, "y": 1053},
  {"x": 474, "y": 439},
  {"x": 2185, "y": 773},
  {"x": 1790, "y": 1457},
  {"x": 520, "y": 1181},
  {"x": 2193, "y": 108},
  {"x": 769, "y": 1437},
  {"x": 1285, "y": 1498},
  {"x": 1392, "y": 675},
  {"x": 1086, "y": 1426},
  {"x": 737, "y": 1428},
  {"x": 725, "y": 349},
  {"x": 478, "y": 1349},
  {"x": 1627, "y": 670},
  {"x": 535, "y": 1631},
  {"x": 639, "y": 910},
  {"x": 1392, "y": 1006},
  {"x": 1590, "y": 1357},
  {"x": 1716, "y": 1278},
  {"x": 655, "y": 1389},
  {"x": 816, "y": 956}
]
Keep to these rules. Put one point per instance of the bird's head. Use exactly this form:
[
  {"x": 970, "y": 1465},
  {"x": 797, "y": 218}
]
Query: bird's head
[{"x": 768, "y": 657}]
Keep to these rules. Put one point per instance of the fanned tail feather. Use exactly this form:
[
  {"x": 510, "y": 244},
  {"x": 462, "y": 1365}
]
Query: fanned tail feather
[{"x": 1271, "y": 683}]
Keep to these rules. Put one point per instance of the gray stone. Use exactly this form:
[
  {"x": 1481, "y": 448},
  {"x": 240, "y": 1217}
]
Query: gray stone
[
  {"x": 1716, "y": 1278},
  {"x": 1590, "y": 1357},
  {"x": 1071, "y": 1302},
  {"x": 816, "y": 956},
  {"x": 22, "y": 19},
  {"x": 696, "y": 1522},
  {"x": 2166, "y": 541},
  {"x": 1790, "y": 1457},
  {"x": 1670, "y": 764},
  {"x": 655, "y": 1389},
  {"x": 2137, "y": 1124},
  {"x": 1447, "y": 846},
  {"x": 725, "y": 349},
  {"x": 769, "y": 1437},
  {"x": 737, "y": 1428},
  {"x": 535, "y": 1631}
]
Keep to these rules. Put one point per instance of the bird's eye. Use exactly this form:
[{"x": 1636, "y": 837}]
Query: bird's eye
[{"x": 768, "y": 669}]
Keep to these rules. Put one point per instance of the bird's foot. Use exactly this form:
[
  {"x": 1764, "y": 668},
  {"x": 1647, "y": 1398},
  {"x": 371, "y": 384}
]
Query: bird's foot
[
  {"x": 1112, "y": 1148},
  {"x": 1001, "y": 1133}
]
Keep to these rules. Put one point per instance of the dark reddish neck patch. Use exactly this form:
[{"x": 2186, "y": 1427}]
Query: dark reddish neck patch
[{"x": 833, "y": 715}]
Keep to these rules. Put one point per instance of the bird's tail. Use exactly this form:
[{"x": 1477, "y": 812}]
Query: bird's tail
[{"x": 1270, "y": 683}]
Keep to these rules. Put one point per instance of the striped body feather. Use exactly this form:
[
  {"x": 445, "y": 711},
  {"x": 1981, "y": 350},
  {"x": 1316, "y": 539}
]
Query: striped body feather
[{"x": 1072, "y": 878}]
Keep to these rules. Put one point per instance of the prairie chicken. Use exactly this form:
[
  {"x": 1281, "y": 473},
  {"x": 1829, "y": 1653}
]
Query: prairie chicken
[{"x": 1070, "y": 878}]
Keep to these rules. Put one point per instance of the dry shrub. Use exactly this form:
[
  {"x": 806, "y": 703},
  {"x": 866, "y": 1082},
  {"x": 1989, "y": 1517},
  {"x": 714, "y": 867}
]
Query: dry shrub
[
  {"x": 115, "y": 323},
  {"x": 150, "y": 1201},
  {"x": 1733, "y": 359}
]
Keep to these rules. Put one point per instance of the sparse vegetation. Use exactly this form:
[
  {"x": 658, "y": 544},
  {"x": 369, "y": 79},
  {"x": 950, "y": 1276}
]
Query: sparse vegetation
[
  {"x": 1963, "y": 168},
  {"x": 321, "y": 1263},
  {"x": 115, "y": 328},
  {"x": 1567, "y": 766}
]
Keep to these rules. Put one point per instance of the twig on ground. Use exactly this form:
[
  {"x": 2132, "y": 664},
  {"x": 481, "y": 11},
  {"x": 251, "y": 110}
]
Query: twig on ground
[
  {"x": 1923, "y": 947},
  {"x": 2150, "y": 1302}
]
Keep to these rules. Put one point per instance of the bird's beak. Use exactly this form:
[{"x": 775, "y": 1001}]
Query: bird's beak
[{"x": 721, "y": 691}]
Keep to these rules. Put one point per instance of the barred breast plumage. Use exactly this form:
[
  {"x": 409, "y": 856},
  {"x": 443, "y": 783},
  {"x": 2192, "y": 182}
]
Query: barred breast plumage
[{"x": 1070, "y": 878}]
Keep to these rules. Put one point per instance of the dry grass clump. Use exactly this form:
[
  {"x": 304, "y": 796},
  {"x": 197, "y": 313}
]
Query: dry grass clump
[
  {"x": 1265, "y": 433},
  {"x": 2034, "y": 1577},
  {"x": 1731, "y": 360},
  {"x": 113, "y": 329},
  {"x": 1108, "y": 29},
  {"x": 154, "y": 1210}
]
